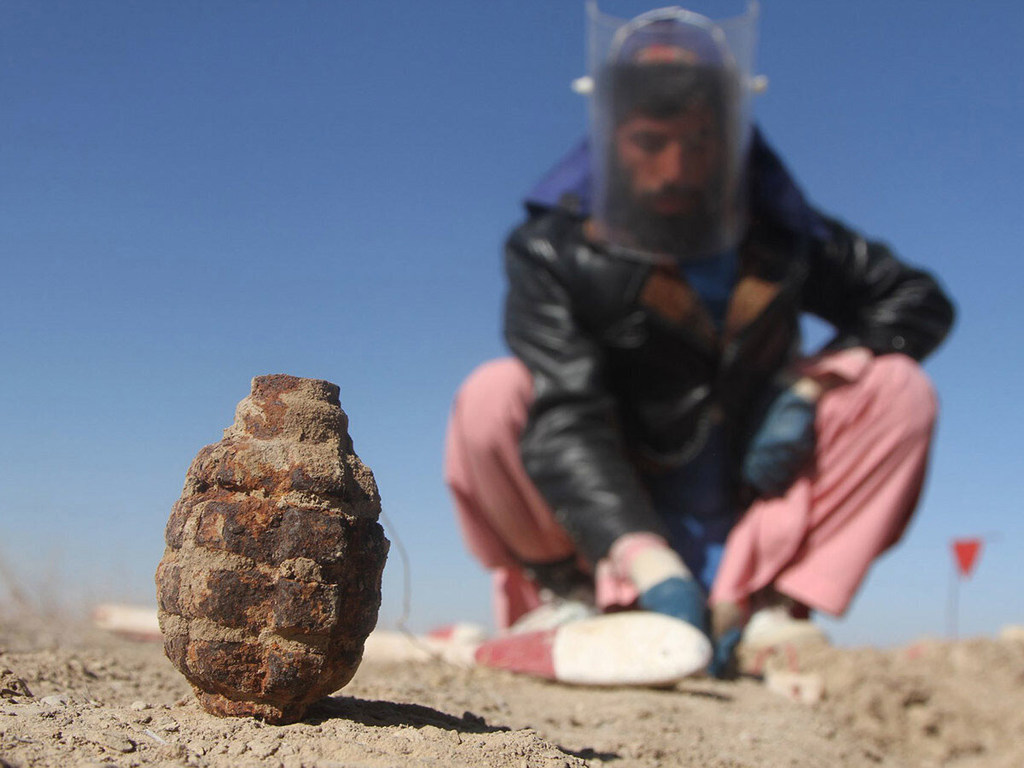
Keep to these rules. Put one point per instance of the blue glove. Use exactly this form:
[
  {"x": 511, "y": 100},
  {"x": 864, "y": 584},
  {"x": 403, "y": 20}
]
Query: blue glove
[
  {"x": 681, "y": 598},
  {"x": 723, "y": 662},
  {"x": 782, "y": 444}
]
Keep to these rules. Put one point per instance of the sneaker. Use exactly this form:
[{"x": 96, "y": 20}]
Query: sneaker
[
  {"x": 774, "y": 625},
  {"x": 628, "y": 648}
]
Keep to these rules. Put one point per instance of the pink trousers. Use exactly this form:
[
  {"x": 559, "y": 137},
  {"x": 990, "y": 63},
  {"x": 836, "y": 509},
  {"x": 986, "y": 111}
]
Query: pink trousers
[{"x": 814, "y": 544}]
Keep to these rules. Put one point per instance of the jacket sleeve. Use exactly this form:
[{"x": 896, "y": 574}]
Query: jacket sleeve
[
  {"x": 873, "y": 299},
  {"x": 572, "y": 447}
]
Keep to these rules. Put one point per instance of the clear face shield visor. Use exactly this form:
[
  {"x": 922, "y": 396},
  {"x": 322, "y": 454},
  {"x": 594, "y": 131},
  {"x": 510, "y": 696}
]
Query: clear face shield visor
[{"x": 670, "y": 129}]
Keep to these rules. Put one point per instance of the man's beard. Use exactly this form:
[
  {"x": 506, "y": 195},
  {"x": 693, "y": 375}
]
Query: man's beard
[{"x": 635, "y": 220}]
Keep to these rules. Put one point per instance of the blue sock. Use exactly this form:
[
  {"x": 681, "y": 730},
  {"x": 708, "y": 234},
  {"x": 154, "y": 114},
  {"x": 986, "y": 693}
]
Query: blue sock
[{"x": 677, "y": 597}]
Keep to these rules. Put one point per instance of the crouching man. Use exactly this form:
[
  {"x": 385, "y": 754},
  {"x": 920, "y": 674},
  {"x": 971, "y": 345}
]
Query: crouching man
[{"x": 658, "y": 442}]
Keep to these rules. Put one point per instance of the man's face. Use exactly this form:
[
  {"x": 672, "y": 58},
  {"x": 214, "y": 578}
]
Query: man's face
[
  {"x": 666, "y": 179},
  {"x": 671, "y": 165}
]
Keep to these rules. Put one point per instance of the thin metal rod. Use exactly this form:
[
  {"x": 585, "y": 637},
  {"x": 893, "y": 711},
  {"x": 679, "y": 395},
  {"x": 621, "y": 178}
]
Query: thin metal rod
[{"x": 953, "y": 606}]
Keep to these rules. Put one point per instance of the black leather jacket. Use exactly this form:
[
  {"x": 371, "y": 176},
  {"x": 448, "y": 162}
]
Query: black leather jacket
[{"x": 629, "y": 371}]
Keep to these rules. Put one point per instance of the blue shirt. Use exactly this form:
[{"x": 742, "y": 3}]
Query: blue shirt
[{"x": 713, "y": 278}]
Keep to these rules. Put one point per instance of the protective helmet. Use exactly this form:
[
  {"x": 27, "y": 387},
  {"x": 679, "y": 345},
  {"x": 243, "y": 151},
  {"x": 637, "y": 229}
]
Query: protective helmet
[{"x": 670, "y": 129}]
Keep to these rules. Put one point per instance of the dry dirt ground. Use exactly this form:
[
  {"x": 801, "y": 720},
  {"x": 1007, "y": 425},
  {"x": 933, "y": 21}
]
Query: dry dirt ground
[{"x": 74, "y": 696}]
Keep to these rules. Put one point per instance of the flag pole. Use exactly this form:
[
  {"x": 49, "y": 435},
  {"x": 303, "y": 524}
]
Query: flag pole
[{"x": 953, "y": 605}]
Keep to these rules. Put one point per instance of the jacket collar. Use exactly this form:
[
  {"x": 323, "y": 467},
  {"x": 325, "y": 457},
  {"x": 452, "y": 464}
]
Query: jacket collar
[{"x": 768, "y": 262}]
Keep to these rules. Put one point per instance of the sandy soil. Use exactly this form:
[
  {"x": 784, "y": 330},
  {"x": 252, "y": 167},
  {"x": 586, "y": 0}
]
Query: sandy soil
[{"x": 75, "y": 696}]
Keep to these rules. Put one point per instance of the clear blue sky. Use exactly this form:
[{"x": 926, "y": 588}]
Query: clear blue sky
[{"x": 193, "y": 193}]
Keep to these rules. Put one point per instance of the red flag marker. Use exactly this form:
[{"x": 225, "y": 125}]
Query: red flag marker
[
  {"x": 966, "y": 552},
  {"x": 965, "y": 555}
]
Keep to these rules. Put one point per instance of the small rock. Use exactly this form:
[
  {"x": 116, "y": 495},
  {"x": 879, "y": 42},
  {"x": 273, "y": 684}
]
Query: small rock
[
  {"x": 12, "y": 686},
  {"x": 236, "y": 748},
  {"x": 139, "y": 706},
  {"x": 116, "y": 742},
  {"x": 802, "y": 688},
  {"x": 173, "y": 752},
  {"x": 155, "y": 737},
  {"x": 171, "y": 726},
  {"x": 262, "y": 749},
  {"x": 55, "y": 701},
  {"x": 1012, "y": 633}
]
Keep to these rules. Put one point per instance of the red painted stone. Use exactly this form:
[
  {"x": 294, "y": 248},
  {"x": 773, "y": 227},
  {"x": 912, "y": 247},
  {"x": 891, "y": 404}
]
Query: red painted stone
[{"x": 528, "y": 653}]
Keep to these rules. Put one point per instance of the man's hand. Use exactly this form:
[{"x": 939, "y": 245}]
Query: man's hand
[
  {"x": 664, "y": 582},
  {"x": 784, "y": 442}
]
